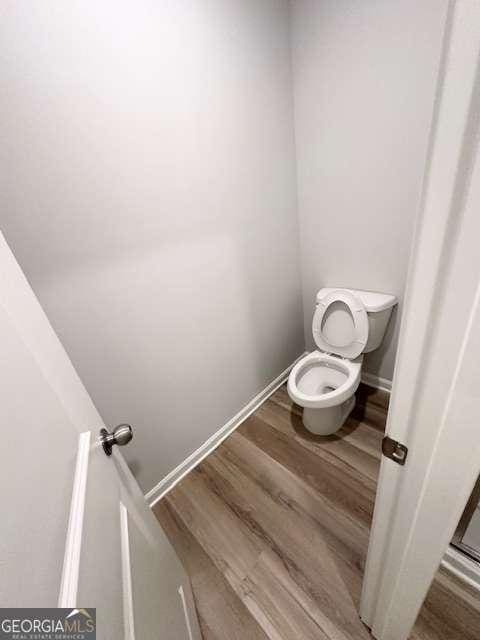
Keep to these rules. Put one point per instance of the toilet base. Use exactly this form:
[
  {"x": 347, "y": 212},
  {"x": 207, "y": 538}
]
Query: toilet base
[{"x": 328, "y": 420}]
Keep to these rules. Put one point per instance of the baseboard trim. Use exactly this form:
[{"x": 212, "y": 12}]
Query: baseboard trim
[
  {"x": 171, "y": 479},
  {"x": 375, "y": 381},
  {"x": 462, "y": 567}
]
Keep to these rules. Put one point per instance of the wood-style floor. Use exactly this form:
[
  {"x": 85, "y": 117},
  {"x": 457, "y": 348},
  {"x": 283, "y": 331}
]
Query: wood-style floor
[{"x": 273, "y": 529}]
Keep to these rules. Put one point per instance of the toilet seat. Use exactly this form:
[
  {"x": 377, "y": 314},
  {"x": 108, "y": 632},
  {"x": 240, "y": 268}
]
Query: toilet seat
[
  {"x": 353, "y": 344},
  {"x": 318, "y": 366}
]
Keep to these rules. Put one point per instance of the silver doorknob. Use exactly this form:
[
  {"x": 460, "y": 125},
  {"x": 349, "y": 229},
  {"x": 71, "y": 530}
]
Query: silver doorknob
[{"x": 121, "y": 435}]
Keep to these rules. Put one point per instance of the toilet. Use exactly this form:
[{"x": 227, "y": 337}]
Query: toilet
[{"x": 346, "y": 324}]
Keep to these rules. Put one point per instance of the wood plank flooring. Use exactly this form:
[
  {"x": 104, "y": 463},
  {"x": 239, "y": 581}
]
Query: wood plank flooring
[{"x": 273, "y": 529}]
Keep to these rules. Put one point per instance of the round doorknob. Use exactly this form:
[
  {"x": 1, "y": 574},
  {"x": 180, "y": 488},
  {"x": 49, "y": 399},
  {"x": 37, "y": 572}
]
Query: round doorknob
[{"x": 121, "y": 435}]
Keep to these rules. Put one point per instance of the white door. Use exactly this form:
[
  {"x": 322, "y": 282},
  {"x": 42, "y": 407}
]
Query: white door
[
  {"x": 435, "y": 406},
  {"x": 75, "y": 529}
]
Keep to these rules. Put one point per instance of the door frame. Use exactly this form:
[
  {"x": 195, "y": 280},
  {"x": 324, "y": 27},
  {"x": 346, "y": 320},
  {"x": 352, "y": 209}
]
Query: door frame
[{"x": 434, "y": 405}]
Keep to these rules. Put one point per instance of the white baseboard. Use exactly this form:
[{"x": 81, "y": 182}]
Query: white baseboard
[
  {"x": 171, "y": 479},
  {"x": 375, "y": 381},
  {"x": 462, "y": 567}
]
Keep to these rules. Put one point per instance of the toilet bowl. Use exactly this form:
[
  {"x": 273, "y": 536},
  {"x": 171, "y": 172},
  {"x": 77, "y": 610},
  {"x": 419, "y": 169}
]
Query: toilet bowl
[
  {"x": 346, "y": 324},
  {"x": 326, "y": 382}
]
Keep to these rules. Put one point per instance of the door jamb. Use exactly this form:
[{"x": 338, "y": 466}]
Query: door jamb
[{"x": 427, "y": 413}]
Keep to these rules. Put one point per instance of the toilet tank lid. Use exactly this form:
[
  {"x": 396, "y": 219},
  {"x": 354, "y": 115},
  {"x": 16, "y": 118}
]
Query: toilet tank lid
[{"x": 372, "y": 300}]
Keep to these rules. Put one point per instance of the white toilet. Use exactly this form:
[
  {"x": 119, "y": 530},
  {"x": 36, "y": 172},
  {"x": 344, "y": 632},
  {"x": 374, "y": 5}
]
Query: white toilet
[{"x": 347, "y": 323}]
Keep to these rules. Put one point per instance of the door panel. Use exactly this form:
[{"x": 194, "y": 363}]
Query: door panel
[
  {"x": 155, "y": 605},
  {"x": 154, "y": 608},
  {"x": 37, "y": 459},
  {"x": 100, "y": 578}
]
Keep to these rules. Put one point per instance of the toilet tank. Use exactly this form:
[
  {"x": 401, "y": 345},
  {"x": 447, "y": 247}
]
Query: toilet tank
[{"x": 379, "y": 308}]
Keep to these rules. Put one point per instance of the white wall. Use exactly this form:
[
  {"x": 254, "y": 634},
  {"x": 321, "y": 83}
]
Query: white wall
[
  {"x": 147, "y": 181},
  {"x": 364, "y": 76},
  {"x": 148, "y": 187}
]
